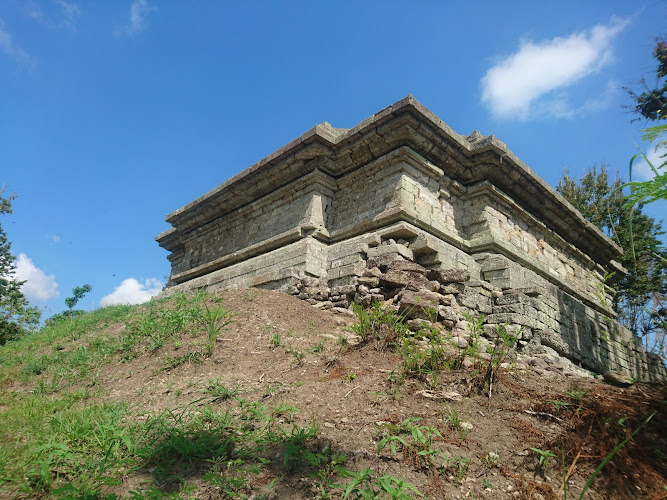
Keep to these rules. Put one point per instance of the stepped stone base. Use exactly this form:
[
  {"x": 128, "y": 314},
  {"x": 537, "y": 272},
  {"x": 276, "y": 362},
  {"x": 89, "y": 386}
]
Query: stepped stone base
[{"x": 403, "y": 210}]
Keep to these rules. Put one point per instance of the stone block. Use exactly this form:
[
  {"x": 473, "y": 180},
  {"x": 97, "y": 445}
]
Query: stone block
[
  {"x": 452, "y": 288},
  {"x": 421, "y": 305},
  {"x": 446, "y": 276},
  {"x": 391, "y": 249},
  {"x": 397, "y": 279},
  {"x": 404, "y": 265},
  {"x": 371, "y": 282},
  {"x": 382, "y": 262}
]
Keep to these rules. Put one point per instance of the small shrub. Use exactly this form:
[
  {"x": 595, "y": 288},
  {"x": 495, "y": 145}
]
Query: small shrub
[{"x": 378, "y": 324}]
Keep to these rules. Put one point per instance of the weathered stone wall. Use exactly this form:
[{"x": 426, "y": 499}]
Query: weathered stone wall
[{"x": 403, "y": 210}]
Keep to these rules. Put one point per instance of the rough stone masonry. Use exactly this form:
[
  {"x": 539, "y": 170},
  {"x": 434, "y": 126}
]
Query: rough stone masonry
[{"x": 402, "y": 209}]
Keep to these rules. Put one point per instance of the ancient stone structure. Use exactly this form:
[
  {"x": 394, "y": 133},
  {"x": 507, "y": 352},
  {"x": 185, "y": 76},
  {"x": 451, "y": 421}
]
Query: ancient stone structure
[{"x": 404, "y": 210}]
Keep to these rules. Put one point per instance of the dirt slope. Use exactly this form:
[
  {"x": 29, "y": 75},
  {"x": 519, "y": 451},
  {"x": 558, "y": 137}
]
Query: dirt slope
[{"x": 286, "y": 358}]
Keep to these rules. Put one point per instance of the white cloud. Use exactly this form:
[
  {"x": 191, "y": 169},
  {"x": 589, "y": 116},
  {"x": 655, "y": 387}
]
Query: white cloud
[
  {"x": 131, "y": 291},
  {"x": 38, "y": 285},
  {"x": 69, "y": 14},
  {"x": 522, "y": 84},
  {"x": 640, "y": 169},
  {"x": 12, "y": 50},
  {"x": 58, "y": 14},
  {"x": 139, "y": 12},
  {"x": 53, "y": 238}
]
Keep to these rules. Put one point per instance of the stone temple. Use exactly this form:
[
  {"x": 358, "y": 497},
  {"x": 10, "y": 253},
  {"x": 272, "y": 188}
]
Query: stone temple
[{"x": 404, "y": 210}]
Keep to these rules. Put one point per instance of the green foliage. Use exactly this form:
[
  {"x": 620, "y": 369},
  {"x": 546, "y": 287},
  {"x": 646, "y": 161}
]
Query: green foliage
[
  {"x": 650, "y": 104},
  {"x": 378, "y": 324},
  {"x": 415, "y": 442},
  {"x": 656, "y": 188},
  {"x": 164, "y": 321},
  {"x": 361, "y": 487},
  {"x": 543, "y": 456},
  {"x": 213, "y": 320},
  {"x": 601, "y": 201},
  {"x": 78, "y": 293},
  {"x": 16, "y": 317},
  {"x": 219, "y": 391}
]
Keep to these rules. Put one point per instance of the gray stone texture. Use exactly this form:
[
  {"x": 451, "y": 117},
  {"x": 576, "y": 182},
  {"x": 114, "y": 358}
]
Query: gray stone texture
[{"x": 402, "y": 210}]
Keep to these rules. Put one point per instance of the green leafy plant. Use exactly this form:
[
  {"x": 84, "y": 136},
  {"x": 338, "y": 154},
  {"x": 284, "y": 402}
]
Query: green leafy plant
[
  {"x": 297, "y": 355},
  {"x": 499, "y": 353},
  {"x": 453, "y": 418},
  {"x": 213, "y": 320},
  {"x": 378, "y": 324},
  {"x": 361, "y": 487},
  {"x": 543, "y": 456},
  {"x": 219, "y": 391},
  {"x": 491, "y": 459},
  {"x": 286, "y": 411},
  {"x": 415, "y": 442}
]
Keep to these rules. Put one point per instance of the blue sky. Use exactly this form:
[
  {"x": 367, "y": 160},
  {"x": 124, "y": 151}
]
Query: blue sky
[{"x": 113, "y": 114}]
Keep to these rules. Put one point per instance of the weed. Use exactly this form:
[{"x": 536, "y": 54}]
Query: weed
[
  {"x": 414, "y": 441},
  {"x": 298, "y": 355},
  {"x": 286, "y": 411},
  {"x": 560, "y": 404},
  {"x": 361, "y": 487},
  {"x": 383, "y": 326},
  {"x": 611, "y": 455},
  {"x": 319, "y": 347},
  {"x": 491, "y": 459},
  {"x": 543, "y": 456},
  {"x": 227, "y": 475},
  {"x": 295, "y": 447},
  {"x": 213, "y": 320},
  {"x": 576, "y": 395},
  {"x": 418, "y": 362},
  {"x": 275, "y": 340},
  {"x": 328, "y": 464},
  {"x": 220, "y": 392},
  {"x": 453, "y": 419},
  {"x": 379, "y": 397},
  {"x": 460, "y": 467},
  {"x": 194, "y": 358},
  {"x": 503, "y": 345}
]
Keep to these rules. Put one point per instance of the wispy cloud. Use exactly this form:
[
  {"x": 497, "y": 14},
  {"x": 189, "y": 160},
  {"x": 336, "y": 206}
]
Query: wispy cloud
[
  {"x": 57, "y": 14},
  {"x": 137, "y": 22},
  {"x": 131, "y": 291},
  {"x": 532, "y": 81},
  {"x": 38, "y": 285},
  {"x": 70, "y": 13},
  {"x": 53, "y": 238},
  {"x": 12, "y": 50}
]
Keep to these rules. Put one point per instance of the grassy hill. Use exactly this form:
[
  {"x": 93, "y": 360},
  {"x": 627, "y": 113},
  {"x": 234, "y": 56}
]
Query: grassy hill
[{"x": 255, "y": 394}]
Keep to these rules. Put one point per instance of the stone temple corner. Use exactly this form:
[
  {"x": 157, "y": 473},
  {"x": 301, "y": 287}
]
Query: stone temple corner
[{"x": 403, "y": 210}]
